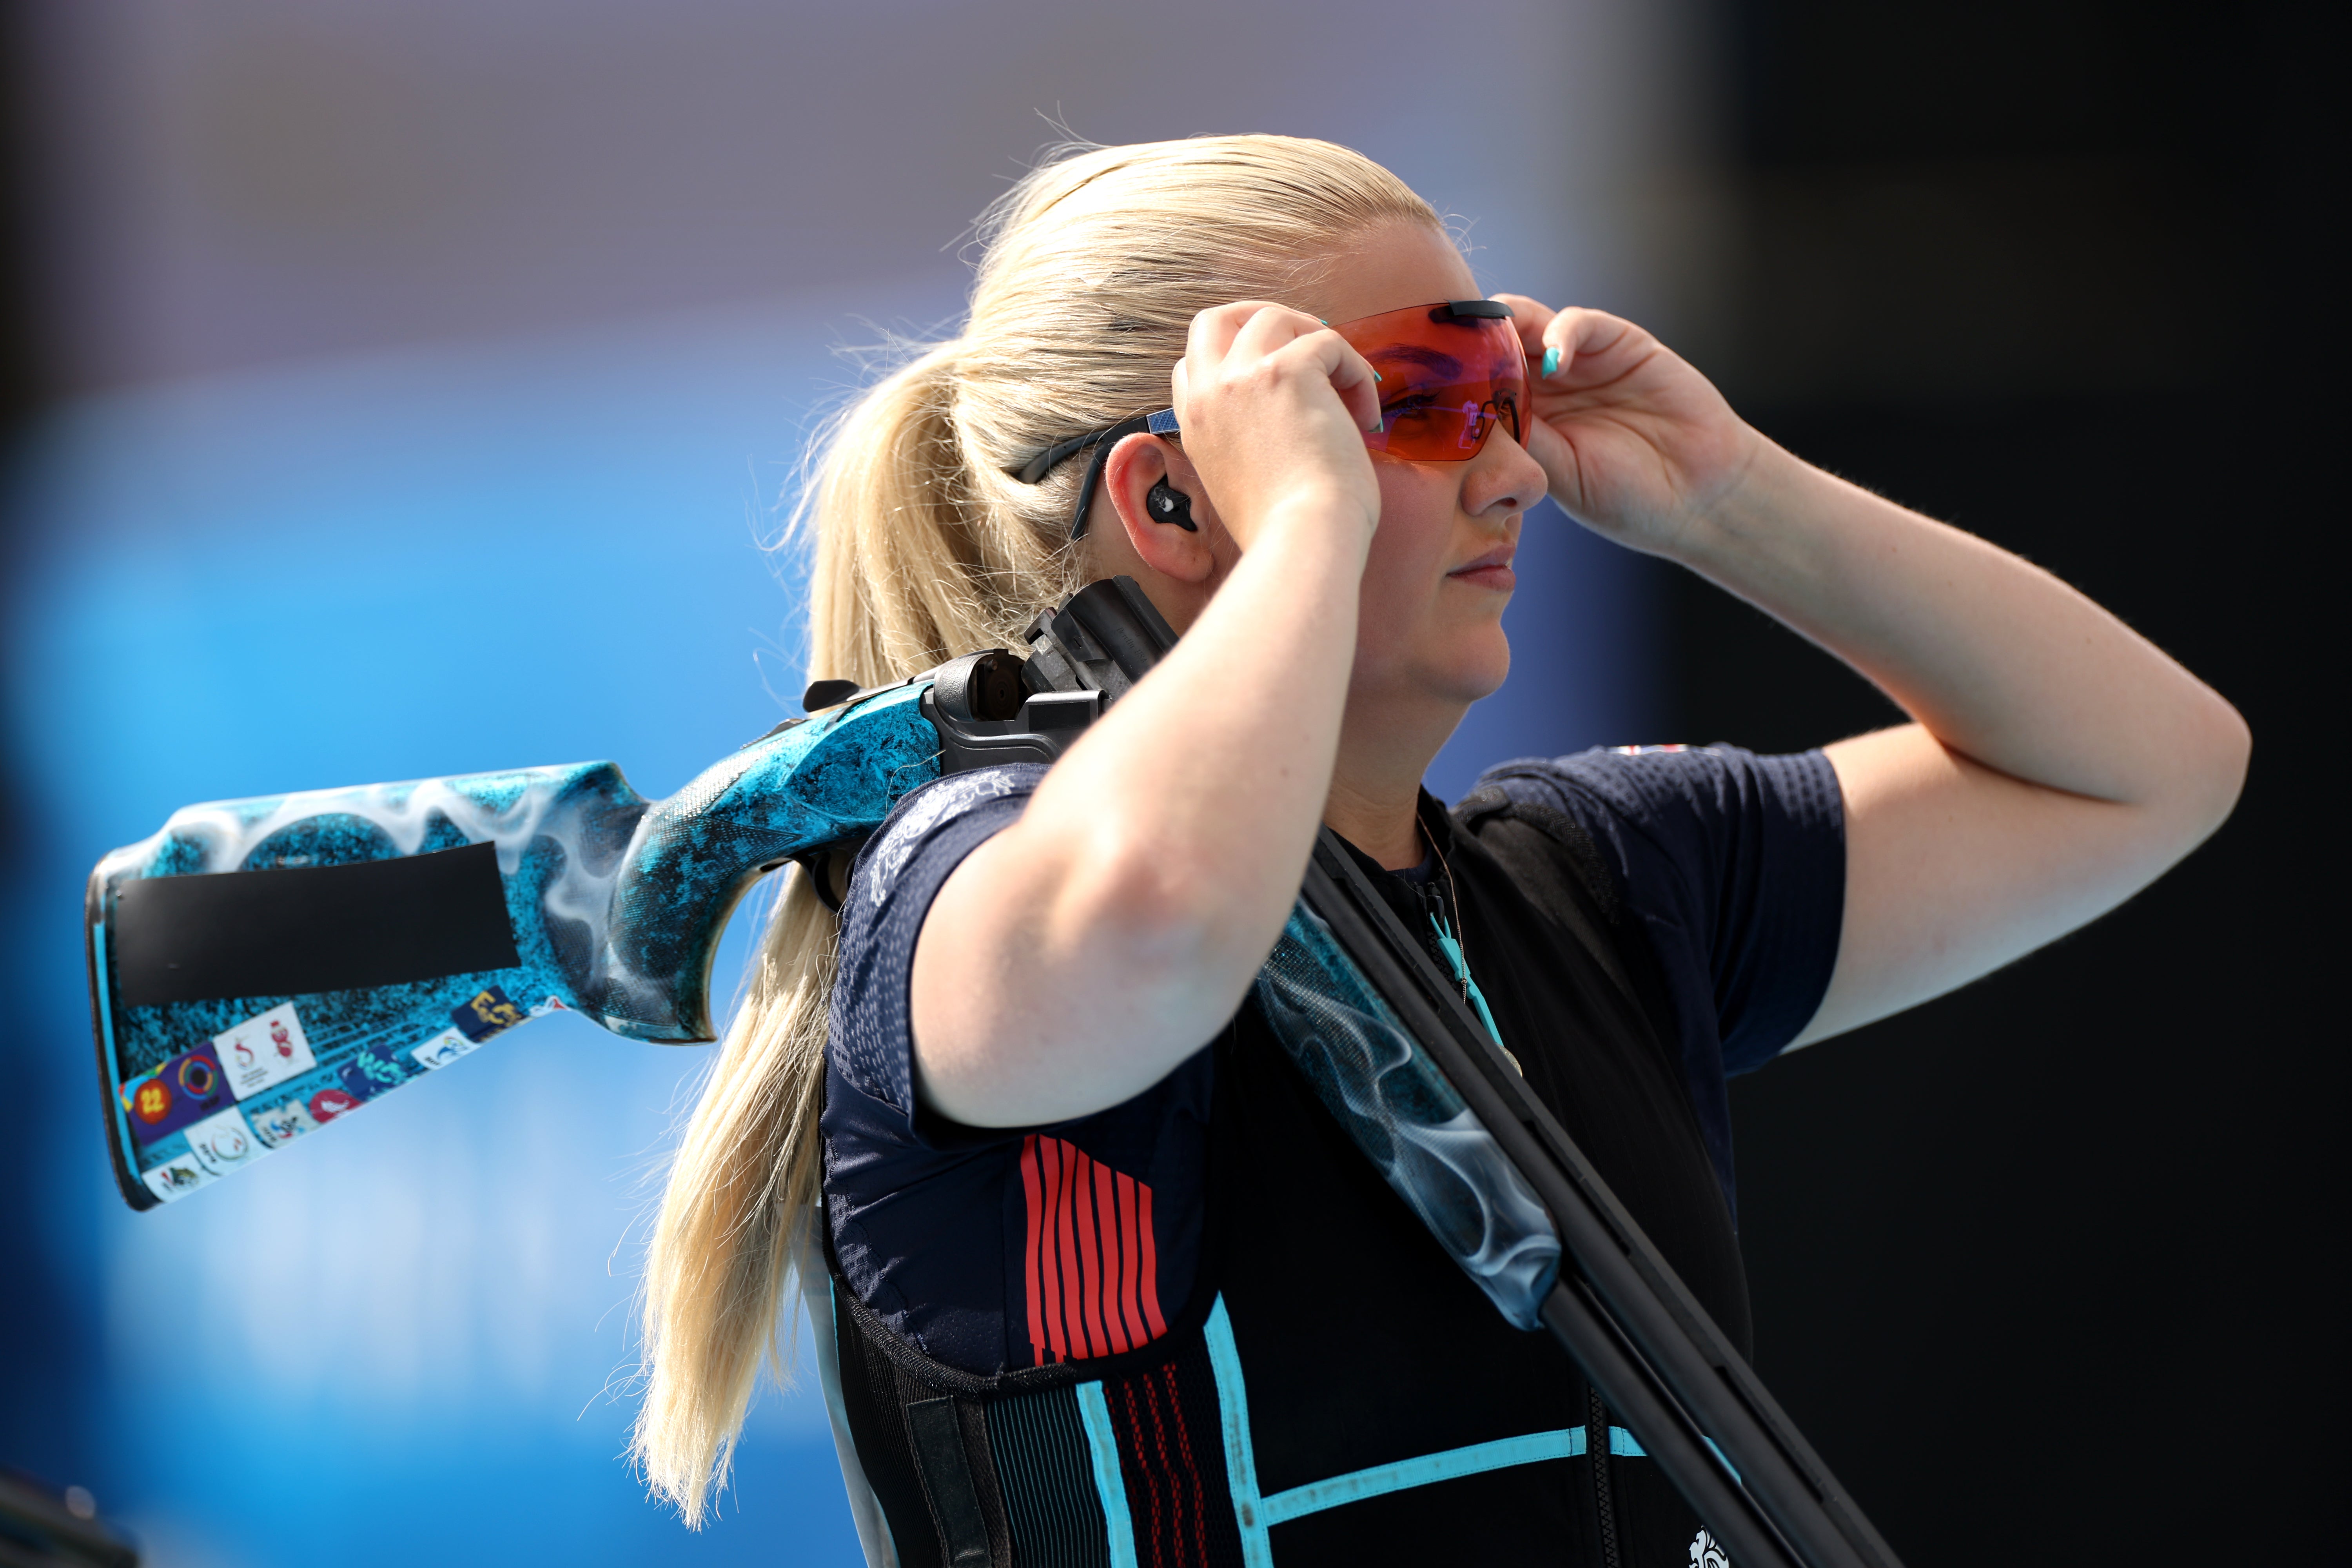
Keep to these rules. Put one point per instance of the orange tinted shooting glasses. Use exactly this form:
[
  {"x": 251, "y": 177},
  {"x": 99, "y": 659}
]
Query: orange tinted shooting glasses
[{"x": 1449, "y": 372}]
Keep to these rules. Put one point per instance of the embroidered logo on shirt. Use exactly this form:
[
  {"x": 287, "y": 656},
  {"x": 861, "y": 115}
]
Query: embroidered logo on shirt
[
  {"x": 1089, "y": 1268},
  {"x": 948, "y": 798},
  {"x": 1706, "y": 1553}
]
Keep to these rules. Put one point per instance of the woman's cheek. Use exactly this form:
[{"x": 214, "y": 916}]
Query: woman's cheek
[
  {"x": 1404, "y": 569},
  {"x": 1416, "y": 524}
]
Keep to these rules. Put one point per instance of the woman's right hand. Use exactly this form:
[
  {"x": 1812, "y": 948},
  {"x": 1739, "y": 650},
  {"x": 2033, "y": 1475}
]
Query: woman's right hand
[
  {"x": 1273, "y": 406},
  {"x": 1078, "y": 956}
]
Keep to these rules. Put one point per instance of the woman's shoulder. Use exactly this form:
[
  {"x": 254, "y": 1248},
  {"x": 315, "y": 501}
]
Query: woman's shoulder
[
  {"x": 1615, "y": 789},
  {"x": 896, "y": 875},
  {"x": 1707, "y": 838},
  {"x": 1732, "y": 861}
]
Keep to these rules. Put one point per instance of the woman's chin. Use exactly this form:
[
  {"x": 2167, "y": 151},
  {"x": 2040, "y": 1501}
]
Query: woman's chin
[
  {"x": 1488, "y": 664},
  {"x": 1458, "y": 673},
  {"x": 1478, "y": 675}
]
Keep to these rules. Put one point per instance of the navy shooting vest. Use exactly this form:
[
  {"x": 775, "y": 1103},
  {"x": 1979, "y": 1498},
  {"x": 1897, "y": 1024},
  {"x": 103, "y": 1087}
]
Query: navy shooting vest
[{"x": 1337, "y": 1390}]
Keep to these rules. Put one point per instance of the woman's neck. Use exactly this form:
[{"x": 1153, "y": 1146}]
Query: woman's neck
[
  {"x": 1388, "y": 831},
  {"x": 1375, "y": 796}
]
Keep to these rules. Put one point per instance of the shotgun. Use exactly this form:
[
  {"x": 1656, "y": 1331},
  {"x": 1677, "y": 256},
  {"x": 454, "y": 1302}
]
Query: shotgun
[{"x": 260, "y": 968}]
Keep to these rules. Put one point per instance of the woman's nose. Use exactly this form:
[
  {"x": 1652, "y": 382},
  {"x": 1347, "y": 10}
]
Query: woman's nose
[{"x": 1502, "y": 478}]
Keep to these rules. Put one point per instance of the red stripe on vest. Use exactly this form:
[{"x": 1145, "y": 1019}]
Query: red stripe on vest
[
  {"x": 1114, "y": 1252},
  {"x": 1088, "y": 1226},
  {"x": 1148, "y": 1290},
  {"x": 1032, "y": 1190},
  {"x": 1066, "y": 1250},
  {"x": 1089, "y": 1265},
  {"x": 1188, "y": 1471},
  {"x": 1165, "y": 1493},
  {"x": 1041, "y": 1248}
]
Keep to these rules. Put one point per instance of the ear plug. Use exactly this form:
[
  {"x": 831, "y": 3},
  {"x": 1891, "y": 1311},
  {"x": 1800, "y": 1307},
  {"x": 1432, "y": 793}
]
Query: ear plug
[{"x": 1166, "y": 503}]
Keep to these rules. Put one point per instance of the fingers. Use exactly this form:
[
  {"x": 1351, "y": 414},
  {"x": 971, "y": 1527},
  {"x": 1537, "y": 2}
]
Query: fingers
[
  {"x": 1573, "y": 335},
  {"x": 1267, "y": 329},
  {"x": 1530, "y": 317},
  {"x": 1356, "y": 382},
  {"x": 1214, "y": 330},
  {"x": 1227, "y": 338}
]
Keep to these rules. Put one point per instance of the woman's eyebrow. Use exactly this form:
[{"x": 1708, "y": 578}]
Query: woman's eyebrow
[{"x": 1414, "y": 353}]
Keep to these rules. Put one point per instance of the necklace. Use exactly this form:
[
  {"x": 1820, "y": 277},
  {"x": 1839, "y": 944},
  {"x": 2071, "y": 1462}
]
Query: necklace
[{"x": 1449, "y": 942}]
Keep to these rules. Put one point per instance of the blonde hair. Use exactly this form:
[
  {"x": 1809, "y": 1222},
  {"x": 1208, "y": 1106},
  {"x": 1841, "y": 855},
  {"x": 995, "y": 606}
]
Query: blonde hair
[{"x": 1092, "y": 268}]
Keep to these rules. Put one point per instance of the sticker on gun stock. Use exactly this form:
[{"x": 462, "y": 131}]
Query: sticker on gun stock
[
  {"x": 375, "y": 1068},
  {"x": 184, "y": 1090},
  {"x": 442, "y": 1048},
  {"x": 279, "y": 1125},
  {"x": 223, "y": 1144},
  {"x": 176, "y": 1178},
  {"x": 330, "y": 1103},
  {"x": 490, "y": 1012},
  {"x": 263, "y": 1052}
]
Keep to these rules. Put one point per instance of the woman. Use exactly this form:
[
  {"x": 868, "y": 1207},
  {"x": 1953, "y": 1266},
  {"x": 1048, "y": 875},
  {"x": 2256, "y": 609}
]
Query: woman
[{"x": 1112, "y": 1288}]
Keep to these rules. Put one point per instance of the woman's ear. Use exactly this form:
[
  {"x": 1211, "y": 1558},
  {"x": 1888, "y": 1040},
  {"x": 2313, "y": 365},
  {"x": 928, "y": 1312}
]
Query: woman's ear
[{"x": 1177, "y": 541}]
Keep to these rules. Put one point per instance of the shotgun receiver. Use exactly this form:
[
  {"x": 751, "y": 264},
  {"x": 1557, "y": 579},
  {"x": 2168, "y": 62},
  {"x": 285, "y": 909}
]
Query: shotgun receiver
[{"x": 260, "y": 967}]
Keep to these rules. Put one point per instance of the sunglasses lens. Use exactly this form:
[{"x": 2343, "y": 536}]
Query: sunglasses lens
[{"x": 1446, "y": 381}]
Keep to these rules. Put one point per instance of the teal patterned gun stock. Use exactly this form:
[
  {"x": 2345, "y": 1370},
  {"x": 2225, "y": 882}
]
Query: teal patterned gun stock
[{"x": 382, "y": 932}]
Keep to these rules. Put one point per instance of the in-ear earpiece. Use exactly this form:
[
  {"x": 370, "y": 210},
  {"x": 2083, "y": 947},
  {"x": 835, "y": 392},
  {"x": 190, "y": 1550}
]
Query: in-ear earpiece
[{"x": 1168, "y": 504}]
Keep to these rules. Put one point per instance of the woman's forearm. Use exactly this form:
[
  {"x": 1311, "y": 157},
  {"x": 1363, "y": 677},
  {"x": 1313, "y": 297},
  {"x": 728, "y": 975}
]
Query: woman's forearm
[
  {"x": 2059, "y": 762},
  {"x": 1997, "y": 658},
  {"x": 1111, "y": 931}
]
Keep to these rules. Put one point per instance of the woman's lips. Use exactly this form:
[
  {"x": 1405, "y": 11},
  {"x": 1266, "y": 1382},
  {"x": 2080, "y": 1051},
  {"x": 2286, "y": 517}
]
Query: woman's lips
[{"x": 1492, "y": 570}]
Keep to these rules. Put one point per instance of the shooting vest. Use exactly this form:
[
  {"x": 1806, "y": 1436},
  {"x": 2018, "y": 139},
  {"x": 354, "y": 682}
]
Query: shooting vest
[{"x": 1336, "y": 1390}]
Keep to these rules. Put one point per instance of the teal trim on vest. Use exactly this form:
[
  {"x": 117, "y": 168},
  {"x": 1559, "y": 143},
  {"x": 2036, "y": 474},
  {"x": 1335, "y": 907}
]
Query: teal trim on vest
[
  {"x": 1257, "y": 1514},
  {"x": 1102, "y": 1445},
  {"x": 1380, "y": 1479},
  {"x": 1241, "y": 1458}
]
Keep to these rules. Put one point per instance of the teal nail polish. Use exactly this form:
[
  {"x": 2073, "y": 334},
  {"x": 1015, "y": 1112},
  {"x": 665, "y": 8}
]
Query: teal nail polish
[
  {"x": 1376, "y": 376},
  {"x": 1551, "y": 362}
]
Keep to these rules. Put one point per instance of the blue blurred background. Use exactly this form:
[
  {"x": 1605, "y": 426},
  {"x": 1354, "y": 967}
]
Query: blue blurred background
[
  {"x": 400, "y": 387},
  {"x": 429, "y": 380}
]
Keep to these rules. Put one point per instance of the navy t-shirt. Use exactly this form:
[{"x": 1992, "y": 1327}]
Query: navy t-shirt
[{"x": 1733, "y": 864}]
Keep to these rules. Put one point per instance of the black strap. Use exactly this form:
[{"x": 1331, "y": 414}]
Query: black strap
[
  {"x": 937, "y": 1437},
  {"x": 294, "y": 931}
]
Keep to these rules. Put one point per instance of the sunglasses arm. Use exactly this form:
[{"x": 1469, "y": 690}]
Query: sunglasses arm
[{"x": 1163, "y": 423}]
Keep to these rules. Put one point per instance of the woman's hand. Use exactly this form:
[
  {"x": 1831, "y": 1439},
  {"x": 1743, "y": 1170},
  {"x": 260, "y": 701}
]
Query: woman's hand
[
  {"x": 1273, "y": 406},
  {"x": 1074, "y": 959},
  {"x": 1636, "y": 443},
  {"x": 2059, "y": 762}
]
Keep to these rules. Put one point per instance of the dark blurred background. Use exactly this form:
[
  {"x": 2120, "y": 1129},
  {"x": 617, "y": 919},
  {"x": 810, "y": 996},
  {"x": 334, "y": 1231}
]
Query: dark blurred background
[
  {"x": 397, "y": 388},
  {"x": 2041, "y": 1266}
]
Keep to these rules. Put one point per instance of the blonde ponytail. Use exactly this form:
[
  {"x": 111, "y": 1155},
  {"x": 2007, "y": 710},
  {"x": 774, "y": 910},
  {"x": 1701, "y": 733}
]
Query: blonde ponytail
[{"x": 927, "y": 547}]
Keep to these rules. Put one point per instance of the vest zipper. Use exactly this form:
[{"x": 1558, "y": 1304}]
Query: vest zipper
[{"x": 1604, "y": 1498}]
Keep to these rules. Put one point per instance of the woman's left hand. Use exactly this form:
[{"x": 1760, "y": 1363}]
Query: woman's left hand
[
  {"x": 1635, "y": 442},
  {"x": 2059, "y": 761}
]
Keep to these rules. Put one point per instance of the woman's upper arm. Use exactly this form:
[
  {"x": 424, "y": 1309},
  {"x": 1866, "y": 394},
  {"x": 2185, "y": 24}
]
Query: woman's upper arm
[{"x": 1954, "y": 868}]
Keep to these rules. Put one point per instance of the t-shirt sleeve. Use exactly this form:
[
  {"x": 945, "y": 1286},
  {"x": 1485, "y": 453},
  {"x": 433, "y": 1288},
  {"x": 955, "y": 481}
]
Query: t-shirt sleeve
[
  {"x": 1735, "y": 866},
  {"x": 897, "y": 875},
  {"x": 931, "y": 1223}
]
